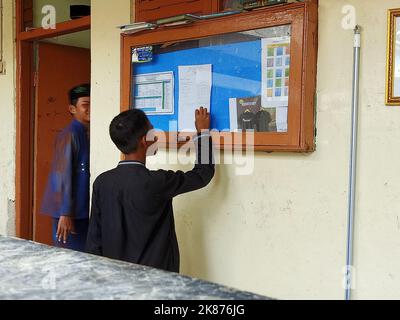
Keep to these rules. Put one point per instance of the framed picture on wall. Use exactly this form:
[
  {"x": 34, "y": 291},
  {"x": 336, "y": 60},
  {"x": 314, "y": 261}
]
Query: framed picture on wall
[{"x": 393, "y": 59}]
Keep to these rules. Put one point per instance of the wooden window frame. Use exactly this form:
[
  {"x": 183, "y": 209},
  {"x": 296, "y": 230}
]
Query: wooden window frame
[
  {"x": 210, "y": 6},
  {"x": 304, "y": 20},
  {"x": 24, "y": 110}
]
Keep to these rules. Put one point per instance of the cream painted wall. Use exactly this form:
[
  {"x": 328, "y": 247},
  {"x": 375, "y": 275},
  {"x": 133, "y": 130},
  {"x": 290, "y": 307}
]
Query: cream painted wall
[
  {"x": 106, "y": 16},
  {"x": 7, "y": 127},
  {"x": 282, "y": 231},
  {"x": 377, "y": 236},
  {"x": 78, "y": 39}
]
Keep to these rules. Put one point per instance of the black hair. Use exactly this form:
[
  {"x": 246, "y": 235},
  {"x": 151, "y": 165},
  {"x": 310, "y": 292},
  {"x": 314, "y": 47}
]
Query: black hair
[
  {"x": 77, "y": 92},
  {"x": 128, "y": 128}
]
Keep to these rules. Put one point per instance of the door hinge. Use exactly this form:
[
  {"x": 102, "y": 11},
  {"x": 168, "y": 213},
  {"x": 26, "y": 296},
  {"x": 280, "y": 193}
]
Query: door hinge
[
  {"x": 2, "y": 67},
  {"x": 35, "y": 79}
]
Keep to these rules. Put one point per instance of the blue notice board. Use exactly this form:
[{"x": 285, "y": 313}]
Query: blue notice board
[{"x": 236, "y": 73}]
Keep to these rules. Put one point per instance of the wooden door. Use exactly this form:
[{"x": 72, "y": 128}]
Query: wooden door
[{"x": 59, "y": 68}]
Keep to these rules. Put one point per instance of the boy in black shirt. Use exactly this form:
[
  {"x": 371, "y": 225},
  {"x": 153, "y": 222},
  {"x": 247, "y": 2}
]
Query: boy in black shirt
[{"x": 132, "y": 216}]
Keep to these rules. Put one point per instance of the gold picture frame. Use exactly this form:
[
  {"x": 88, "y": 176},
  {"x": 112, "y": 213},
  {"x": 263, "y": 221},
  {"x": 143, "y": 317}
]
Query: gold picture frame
[{"x": 393, "y": 59}]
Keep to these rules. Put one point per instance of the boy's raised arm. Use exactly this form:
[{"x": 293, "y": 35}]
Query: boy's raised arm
[{"x": 171, "y": 184}]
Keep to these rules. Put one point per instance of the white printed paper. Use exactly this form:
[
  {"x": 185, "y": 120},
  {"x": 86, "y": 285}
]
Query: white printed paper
[
  {"x": 154, "y": 93},
  {"x": 194, "y": 92},
  {"x": 275, "y": 78},
  {"x": 282, "y": 119},
  {"x": 233, "y": 116}
]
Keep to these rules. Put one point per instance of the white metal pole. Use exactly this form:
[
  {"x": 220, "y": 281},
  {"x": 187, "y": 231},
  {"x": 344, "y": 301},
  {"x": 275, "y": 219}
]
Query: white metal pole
[{"x": 353, "y": 163}]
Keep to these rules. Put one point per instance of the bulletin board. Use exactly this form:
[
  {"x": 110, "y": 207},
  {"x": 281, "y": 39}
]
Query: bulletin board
[
  {"x": 223, "y": 65},
  {"x": 236, "y": 69}
]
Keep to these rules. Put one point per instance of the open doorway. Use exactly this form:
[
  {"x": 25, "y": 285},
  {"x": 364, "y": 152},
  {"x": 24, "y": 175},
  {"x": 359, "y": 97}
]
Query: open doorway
[
  {"x": 58, "y": 69},
  {"x": 50, "y": 63}
]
